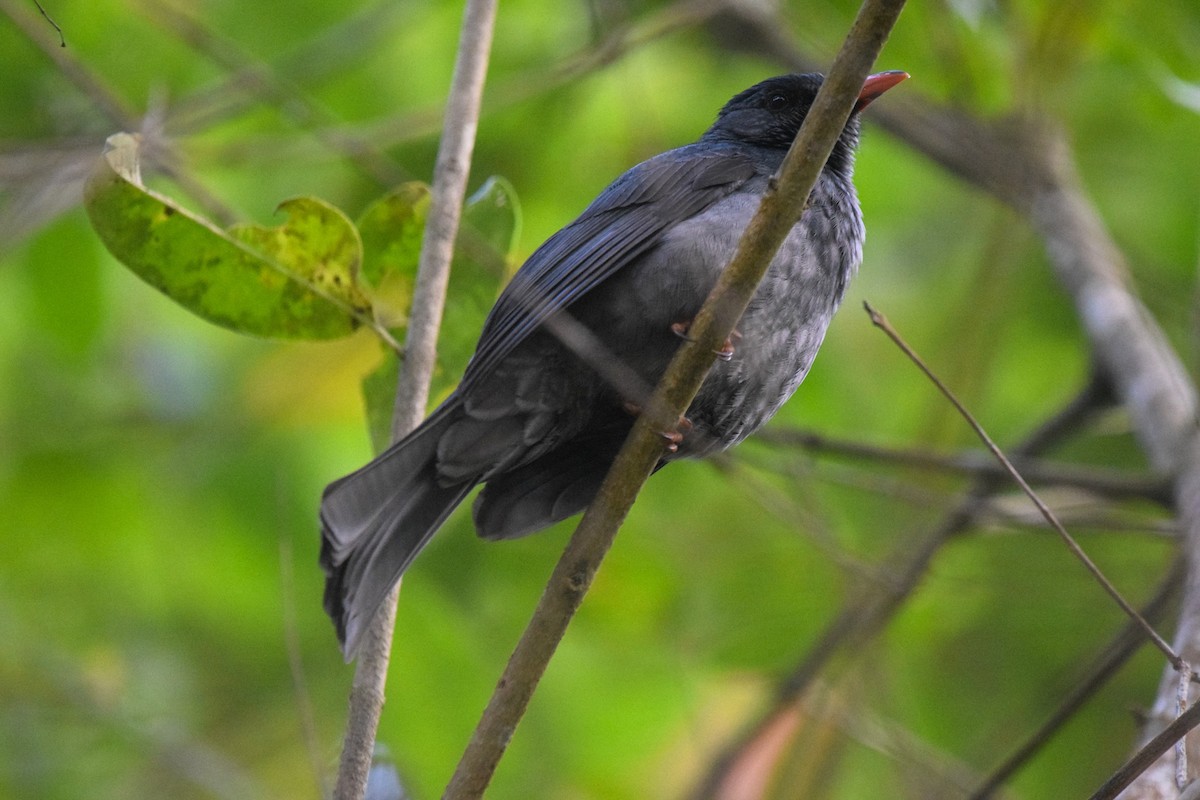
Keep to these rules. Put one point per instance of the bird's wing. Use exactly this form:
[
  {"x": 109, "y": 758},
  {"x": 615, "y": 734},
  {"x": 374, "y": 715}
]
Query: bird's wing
[{"x": 627, "y": 220}]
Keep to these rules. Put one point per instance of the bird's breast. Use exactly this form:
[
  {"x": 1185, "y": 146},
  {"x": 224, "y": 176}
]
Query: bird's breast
[
  {"x": 783, "y": 327},
  {"x": 778, "y": 336}
]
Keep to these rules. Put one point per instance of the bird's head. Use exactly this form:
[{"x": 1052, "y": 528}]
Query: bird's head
[{"x": 769, "y": 114}]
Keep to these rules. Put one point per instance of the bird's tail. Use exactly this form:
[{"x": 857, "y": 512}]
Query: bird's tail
[{"x": 375, "y": 521}]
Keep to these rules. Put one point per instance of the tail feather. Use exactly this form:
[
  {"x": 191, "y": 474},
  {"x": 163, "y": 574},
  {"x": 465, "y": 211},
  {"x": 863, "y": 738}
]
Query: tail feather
[
  {"x": 558, "y": 485},
  {"x": 375, "y": 521}
]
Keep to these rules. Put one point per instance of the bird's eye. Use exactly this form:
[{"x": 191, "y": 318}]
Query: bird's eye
[{"x": 777, "y": 102}]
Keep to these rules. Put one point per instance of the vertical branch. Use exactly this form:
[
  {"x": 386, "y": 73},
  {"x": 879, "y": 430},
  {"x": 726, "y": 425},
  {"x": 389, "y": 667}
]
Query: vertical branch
[
  {"x": 412, "y": 391},
  {"x": 781, "y": 206}
]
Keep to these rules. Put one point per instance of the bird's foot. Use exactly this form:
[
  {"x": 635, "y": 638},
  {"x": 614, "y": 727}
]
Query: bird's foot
[
  {"x": 680, "y": 329},
  {"x": 674, "y": 438},
  {"x": 726, "y": 351}
]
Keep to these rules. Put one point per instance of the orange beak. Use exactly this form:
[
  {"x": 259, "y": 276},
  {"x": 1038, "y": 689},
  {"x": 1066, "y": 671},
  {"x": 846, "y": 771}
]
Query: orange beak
[{"x": 877, "y": 84}]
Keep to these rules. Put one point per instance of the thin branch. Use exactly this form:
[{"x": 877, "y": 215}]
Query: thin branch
[
  {"x": 1082, "y": 497},
  {"x": 780, "y": 208},
  {"x": 881, "y": 322},
  {"x": 1107, "y": 482},
  {"x": 1032, "y": 171},
  {"x": 62, "y": 40},
  {"x": 268, "y": 85},
  {"x": 1114, "y": 656},
  {"x": 1145, "y": 757},
  {"x": 1082, "y": 514},
  {"x": 416, "y": 370},
  {"x": 868, "y": 612}
]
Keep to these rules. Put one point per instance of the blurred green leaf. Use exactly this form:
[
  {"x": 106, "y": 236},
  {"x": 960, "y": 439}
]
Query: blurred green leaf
[
  {"x": 391, "y": 231},
  {"x": 296, "y": 281},
  {"x": 65, "y": 273},
  {"x": 491, "y": 227},
  {"x": 379, "y": 398},
  {"x": 483, "y": 263}
]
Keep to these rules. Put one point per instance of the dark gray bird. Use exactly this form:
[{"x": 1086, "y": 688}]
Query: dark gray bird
[{"x": 588, "y": 324}]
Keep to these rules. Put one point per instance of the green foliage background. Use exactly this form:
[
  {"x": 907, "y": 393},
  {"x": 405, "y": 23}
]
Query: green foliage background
[{"x": 159, "y": 477}]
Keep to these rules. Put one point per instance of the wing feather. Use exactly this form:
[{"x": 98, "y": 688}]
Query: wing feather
[{"x": 627, "y": 220}]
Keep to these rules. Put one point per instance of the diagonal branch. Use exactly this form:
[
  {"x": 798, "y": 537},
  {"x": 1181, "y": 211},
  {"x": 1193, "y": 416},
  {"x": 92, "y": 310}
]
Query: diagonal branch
[
  {"x": 1032, "y": 170},
  {"x": 880, "y": 321},
  {"x": 780, "y": 208},
  {"x": 1156, "y": 748},
  {"x": 1116, "y": 654},
  {"x": 871, "y": 609}
]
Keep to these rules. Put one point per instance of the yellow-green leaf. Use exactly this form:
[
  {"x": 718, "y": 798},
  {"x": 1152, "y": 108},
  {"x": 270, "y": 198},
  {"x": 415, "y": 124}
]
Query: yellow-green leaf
[
  {"x": 483, "y": 263},
  {"x": 391, "y": 230},
  {"x": 297, "y": 280}
]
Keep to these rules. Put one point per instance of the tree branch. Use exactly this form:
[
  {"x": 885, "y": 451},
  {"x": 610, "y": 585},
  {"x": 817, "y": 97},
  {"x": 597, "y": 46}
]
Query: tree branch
[
  {"x": 1151, "y": 381},
  {"x": 1031, "y": 170},
  {"x": 1156, "y": 748},
  {"x": 412, "y": 391},
  {"x": 1118, "y": 484},
  {"x": 881, "y": 322},
  {"x": 873, "y": 605},
  {"x": 1119, "y": 650},
  {"x": 781, "y": 206}
]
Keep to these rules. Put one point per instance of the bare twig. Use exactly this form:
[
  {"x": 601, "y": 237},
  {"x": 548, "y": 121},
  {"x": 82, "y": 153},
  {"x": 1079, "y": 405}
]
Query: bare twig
[
  {"x": 270, "y": 86},
  {"x": 780, "y": 208},
  {"x": 1108, "y": 482},
  {"x": 1115, "y": 655},
  {"x": 412, "y": 392},
  {"x": 1032, "y": 171},
  {"x": 869, "y": 611},
  {"x": 881, "y": 322},
  {"x": 1148, "y": 754},
  {"x": 62, "y": 41}
]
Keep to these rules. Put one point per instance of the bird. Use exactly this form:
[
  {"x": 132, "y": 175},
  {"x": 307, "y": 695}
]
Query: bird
[{"x": 588, "y": 324}]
